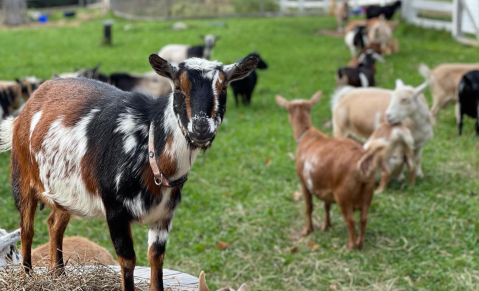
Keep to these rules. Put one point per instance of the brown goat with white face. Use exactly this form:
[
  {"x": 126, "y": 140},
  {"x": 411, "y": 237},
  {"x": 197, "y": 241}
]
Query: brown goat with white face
[{"x": 336, "y": 170}]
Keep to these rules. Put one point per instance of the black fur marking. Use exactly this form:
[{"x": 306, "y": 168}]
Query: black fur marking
[
  {"x": 244, "y": 88},
  {"x": 469, "y": 98},
  {"x": 195, "y": 51}
]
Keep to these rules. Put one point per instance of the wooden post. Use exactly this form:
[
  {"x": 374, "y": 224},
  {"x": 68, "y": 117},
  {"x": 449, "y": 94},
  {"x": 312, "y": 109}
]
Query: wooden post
[{"x": 107, "y": 24}]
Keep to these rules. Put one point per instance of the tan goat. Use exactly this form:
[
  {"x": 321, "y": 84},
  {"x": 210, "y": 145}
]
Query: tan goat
[
  {"x": 444, "y": 80},
  {"x": 400, "y": 150},
  {"x": 202, "y": 286},
  {"x": 355, "y": 109},
  {"x": 335, "y": 170},
  {"x": 341, "y": 12},
  {"x": 78, "y": 249}
]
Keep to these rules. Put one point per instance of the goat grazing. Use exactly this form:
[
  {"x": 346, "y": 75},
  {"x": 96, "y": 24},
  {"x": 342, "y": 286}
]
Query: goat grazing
[
  {"x": 468, "y": 99},
  {"x": 356, "y": 40},
  {"x": 400, "y": 147},
  {"x": 444, "y": 81},
  {"x": 244, "y": 88},
  {"x": 78, "y": 249},
  {"x": 341, "y": 12},
  {"x": 388, "y": 11},
  {"x": 381, "y": 33},
  {"x": 363, "y": 75},
  {"x": 177, "y": 53},
  {"x": 202, "y": 286},
  {"x": 88, "y": 149},
  {"x": 8, "y": 250},
  {"x": 335, "y": 170},
  {"x": 355, "y": 109},
  {"x": 149, "y": 83}
]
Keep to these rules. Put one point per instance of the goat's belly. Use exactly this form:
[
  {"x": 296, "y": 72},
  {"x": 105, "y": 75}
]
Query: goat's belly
[
  {"x": 72, "y": 195},
  {"x": 325, "y": 195}
]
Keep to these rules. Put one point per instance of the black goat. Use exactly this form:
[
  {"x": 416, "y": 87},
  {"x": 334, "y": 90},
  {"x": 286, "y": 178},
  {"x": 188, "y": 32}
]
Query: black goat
[
  {"x": 468, "y": 91},
  {"x": 374, "y": 11},
  {"x": 244, "y": 88},
  {"x": 363, "y": 75}
]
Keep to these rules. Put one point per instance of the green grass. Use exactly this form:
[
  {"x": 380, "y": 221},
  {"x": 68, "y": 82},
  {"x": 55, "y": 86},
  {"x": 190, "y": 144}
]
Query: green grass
[{"x": 419, "y": 238}]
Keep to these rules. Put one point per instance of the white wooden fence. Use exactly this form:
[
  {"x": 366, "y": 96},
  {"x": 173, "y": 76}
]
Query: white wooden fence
[
  {"x": 303, "y": 5},
  {"x": 464, "y": 17}
]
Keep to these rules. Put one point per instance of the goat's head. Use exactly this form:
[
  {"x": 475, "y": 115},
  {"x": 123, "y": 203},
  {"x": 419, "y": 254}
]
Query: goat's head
[
  {"x": 405, "y": 101},
  {"x": 199, "y": 96},
  {"x": 261, "y": 64},
  {"x": 210, "y": 40},
  {"x": 299, "y": 111},
  {"x": 202, "y": 286}
]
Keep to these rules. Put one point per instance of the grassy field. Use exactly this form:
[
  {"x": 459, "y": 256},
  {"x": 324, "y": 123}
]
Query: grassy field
[{"x": 419, "y": 238}]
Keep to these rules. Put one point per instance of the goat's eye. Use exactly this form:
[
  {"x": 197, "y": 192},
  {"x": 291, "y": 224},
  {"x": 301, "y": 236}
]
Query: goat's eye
[
  {"x": 405, "y": 101},
  {"x": 177, "y": 89},
  {"x": 223, "y": 90}
]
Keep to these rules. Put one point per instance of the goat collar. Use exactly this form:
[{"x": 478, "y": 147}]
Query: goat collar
[
  {"x": 159, "y": 178},
  {"x": 302, "y": 135}
]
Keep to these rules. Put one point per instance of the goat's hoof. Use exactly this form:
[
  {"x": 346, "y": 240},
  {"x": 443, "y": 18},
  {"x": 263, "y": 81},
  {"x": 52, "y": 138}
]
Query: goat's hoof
[
  {"x": 325, "y": 226},
  {"x": 306, "y": 231},
  {"x": 379, "y": 191}
]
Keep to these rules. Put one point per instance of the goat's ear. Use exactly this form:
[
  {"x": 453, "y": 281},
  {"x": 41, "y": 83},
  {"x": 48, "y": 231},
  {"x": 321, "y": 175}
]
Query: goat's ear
[
  {"x": 282, "y": 102},
  {"x": 241, "y": 69},
  {"x": 378, "y": 57},
  {"x": 316, "y": 97},
  {"x": 399, "y": 84},
  {"x": 243, "y": 288},
  {"x": 419, "y": 89},
  {"x": 162, "y": 67},
  {"x": 202, "y": 283}
]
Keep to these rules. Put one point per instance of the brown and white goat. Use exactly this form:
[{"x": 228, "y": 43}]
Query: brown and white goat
[
  {"x": 85, "y": 148},
  {"x": 335, "y": 170},
  {"x": 400, "y": 150},
  {"x": 355, "y": 111},
  {"x": 444, "y": 81},
  {"x": 341, "y": 12},
  {"x": 78, "y": 249},
  {"x": 202, "y": 286}
]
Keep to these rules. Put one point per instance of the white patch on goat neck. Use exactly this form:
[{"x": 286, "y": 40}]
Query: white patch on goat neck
[
  {"x": 179, "y": 150},
  {"x": 59, "y": 163},
  {"x": 364, "y": 80},
  {"x": 35, "y": 119}
]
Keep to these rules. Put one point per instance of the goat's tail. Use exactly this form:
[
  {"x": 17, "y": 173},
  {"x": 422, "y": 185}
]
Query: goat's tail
[
  {"x": 372, "y": 158},
  {"x": 425, "y": 71},
  {"x": 340, "y": 92},
  {"x": 6, "y": 134}
]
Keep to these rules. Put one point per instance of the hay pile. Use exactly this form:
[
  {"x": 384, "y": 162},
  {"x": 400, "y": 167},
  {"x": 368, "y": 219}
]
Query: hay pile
[{"x": 95, "y": 277}]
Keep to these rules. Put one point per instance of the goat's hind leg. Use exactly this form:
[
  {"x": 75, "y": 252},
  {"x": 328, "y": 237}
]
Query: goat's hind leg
[
  {"x": 57, "y": 223},
  {"x": 26, "y": 203}
]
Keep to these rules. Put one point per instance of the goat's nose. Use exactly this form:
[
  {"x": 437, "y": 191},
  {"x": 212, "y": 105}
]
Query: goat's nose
[{"x": 201, "y": 127}]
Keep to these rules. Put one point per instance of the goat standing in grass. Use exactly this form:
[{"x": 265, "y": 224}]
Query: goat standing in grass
[
  {"x": 363, "y": 74},
  {"x": 244, "y": 88},
  {"x": 85, "y": 148},
  {"x": 177, "y": 53},
  {"x": 355, "y": 111},
  {"x": 336, "y": 170}
]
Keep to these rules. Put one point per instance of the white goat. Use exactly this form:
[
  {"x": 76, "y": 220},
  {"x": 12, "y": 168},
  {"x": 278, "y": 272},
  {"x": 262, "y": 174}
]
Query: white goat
[
  {"x": 8, "y": 249},
  {"x": 354, "y": 111},
  {"x": 177, "y": 53}
]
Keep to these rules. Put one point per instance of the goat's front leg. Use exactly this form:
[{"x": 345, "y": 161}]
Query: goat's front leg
[
  {"x": 417, "y": 162},
  {"x": 459, "y": 117},
  {"x": 120, "y": 232},
  {"x": 157, "y": 237}
]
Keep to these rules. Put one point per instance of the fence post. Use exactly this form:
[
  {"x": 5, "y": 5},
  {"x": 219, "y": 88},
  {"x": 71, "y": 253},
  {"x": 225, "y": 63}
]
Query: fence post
[
  {"x": 301, "y": 6},
  {"x": 261, "y": 7}
]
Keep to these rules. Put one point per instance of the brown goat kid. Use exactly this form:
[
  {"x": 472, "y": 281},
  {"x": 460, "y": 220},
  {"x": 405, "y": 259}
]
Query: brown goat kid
[
  {"x": 78, "y": 249},
  {"x": 336, "y": 170}
]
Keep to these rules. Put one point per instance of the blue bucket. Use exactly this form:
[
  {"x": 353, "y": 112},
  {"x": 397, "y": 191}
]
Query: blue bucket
[{"x": 43, "y": 18}]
